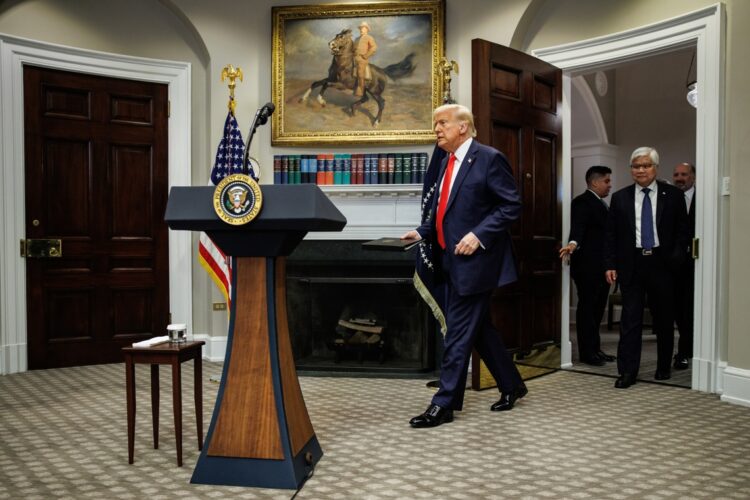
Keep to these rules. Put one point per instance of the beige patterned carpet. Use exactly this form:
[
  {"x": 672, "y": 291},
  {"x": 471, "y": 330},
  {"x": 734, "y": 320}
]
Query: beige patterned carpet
[{"x": 63, "y": 435}]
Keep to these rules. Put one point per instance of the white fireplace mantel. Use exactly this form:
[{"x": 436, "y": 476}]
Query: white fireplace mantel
[{"x": 373, "y": 210}]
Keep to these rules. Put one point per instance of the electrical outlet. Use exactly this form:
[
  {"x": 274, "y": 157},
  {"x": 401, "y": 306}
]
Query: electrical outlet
[{"x": 220, "y": 306}]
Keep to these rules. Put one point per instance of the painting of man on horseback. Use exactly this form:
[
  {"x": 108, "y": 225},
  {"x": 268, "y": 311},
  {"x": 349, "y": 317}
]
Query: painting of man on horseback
[
  {"x": 356, "y": 76},
  {"x": 350, "y": 69}
]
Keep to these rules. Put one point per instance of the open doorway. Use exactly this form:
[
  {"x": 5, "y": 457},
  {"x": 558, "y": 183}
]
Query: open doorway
[
  {"x": 705, "y": 29},
  {"x": 614, "y": 110}
]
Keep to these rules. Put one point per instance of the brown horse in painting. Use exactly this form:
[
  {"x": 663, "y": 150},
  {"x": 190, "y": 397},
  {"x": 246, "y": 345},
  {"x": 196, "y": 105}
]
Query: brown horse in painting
[{"x": 341, "y": 74}]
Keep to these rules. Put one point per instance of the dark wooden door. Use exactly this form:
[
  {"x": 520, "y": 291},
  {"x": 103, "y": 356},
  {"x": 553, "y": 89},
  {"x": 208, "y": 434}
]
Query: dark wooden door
[
  {"x": 96, "y": 178},
  {"x": 516, "y": 100}
]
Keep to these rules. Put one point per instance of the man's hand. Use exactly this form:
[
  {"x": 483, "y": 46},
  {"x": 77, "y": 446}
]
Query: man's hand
[
  {"x": 411, "y": 235},
  {"x": 566, "y": 251},
  {"x": 611, "y": 276},
  {"x": 468, "y": 245}
]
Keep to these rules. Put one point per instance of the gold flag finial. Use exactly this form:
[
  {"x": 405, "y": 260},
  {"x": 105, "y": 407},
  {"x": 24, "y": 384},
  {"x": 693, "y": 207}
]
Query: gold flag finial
[
  {"x": 445, "y": 68},
  {"x": 232, "y": 73}
]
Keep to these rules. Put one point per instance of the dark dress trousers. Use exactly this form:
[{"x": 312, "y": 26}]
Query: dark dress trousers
[
  {"x": 588, "y": 221},
  {"x": 684, "y": 286},
  {"x": 646, "y": 275},
  {"x": 483, "y": 200}
]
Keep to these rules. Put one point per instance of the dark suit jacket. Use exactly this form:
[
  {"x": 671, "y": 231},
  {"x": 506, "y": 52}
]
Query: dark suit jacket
[
  {"x": 671, "y": 227},
  {"x": 588, "y": 220},
  {"x": 484, "y": 200}
]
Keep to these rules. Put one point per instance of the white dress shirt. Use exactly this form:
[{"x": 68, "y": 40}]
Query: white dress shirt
[
  {"x": 638, "y": 204},
  {"x": 460, "y": 154},
  {"x": 689, "y": 197}
]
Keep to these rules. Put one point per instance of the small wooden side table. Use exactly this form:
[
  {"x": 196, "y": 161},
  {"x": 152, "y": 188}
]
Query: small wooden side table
[{"x": 165, "y": 353}]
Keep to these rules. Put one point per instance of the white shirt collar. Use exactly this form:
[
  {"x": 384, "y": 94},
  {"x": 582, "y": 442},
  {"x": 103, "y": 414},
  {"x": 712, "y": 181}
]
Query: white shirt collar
[
  {"x": 462, "y": 150},
  {"x": 653, "y": 186}
]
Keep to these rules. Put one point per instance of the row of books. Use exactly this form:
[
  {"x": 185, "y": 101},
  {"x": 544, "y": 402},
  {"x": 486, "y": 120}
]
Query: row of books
[{"x": 357, "y": 168}]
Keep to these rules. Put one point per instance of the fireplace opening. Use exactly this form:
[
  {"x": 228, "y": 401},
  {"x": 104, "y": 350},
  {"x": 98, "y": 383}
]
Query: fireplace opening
[{"x": 357, "y": 312}]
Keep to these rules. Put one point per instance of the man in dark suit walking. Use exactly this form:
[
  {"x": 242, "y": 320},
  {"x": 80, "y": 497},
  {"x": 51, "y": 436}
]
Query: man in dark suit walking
[
  {"x": 646, "y": 237},
  {"x": 683, "y": 177},
  {"x": 477, "y": 203},
  {"x": 585, "y": 249}
]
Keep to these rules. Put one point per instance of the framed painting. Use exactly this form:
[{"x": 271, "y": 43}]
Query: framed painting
[{"x": 356, "y": 73}]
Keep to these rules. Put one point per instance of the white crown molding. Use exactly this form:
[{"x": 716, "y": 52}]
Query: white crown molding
[{"x": 16, "y": 52}]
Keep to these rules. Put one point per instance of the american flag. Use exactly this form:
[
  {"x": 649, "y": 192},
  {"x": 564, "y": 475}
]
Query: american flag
[
  {"x": 229, "y": 157},
  {"x": 424, "y": 268}
]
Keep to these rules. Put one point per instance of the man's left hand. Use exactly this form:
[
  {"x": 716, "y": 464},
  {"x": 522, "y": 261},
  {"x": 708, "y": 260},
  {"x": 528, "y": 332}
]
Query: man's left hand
[{"x": 468, "y": 245}]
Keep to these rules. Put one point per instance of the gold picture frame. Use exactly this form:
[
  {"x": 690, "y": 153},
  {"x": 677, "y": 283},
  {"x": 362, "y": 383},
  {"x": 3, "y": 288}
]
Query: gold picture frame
[{"x": 314, "y": 86}]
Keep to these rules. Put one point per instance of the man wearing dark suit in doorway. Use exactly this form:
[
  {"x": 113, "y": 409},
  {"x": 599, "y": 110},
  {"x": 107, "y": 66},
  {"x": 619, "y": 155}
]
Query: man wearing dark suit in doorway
[
  {"x": 646, "y": 237},
  {"x": 585, "y": 249},
  {"x": 477, "y": 203},
  {"x": 683, "y": 177}
]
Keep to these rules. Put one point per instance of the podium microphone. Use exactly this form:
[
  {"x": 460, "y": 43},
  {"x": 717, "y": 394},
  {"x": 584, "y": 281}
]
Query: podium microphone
[{"x": 261, "y": 118}]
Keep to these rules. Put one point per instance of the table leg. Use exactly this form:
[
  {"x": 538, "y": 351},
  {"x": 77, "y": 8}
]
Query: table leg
[
  {"x": 177, "y": 404},
  {"x": 130, "y": 397},
  {"x": 155, "y": 403},
  {"x": 198, "y": 394}
]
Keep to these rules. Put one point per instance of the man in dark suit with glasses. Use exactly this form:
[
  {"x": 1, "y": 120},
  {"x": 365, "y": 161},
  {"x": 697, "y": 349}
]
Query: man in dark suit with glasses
[{"x": 646, "y": 237}]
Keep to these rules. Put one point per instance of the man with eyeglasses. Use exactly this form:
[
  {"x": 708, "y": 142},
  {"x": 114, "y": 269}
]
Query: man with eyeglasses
[{"x": 646, "y": 237}]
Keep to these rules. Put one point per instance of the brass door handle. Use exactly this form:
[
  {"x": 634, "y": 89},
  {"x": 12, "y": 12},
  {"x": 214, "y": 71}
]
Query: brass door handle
[{"x": 41, "y": 248}]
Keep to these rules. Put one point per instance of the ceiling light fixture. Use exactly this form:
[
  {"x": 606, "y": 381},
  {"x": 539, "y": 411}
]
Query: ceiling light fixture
[{"x": 692, "y": 86}]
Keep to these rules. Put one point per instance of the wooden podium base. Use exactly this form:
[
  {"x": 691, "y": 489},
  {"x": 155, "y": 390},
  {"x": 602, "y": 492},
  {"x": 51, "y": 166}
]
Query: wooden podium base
[{"x": 260, "y": 433}]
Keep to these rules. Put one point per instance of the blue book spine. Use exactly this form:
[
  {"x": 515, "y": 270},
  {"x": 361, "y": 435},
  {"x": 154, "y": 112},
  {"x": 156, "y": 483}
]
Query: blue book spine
[
  {"x": 347, "y": 174},
  {"x": 284, "y": 169},
  {"x": 276, "y": 169},
  {"x": 375, "y": 168}
]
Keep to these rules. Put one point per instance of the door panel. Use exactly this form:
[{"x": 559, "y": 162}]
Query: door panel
[
  {"x": 96, "y": 178},
  {"x": 515, "y": 99}
]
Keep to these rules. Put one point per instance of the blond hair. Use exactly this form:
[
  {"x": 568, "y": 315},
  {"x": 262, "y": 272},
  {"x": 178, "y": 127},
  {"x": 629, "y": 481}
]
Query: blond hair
[{"x": 461, "y": 113}]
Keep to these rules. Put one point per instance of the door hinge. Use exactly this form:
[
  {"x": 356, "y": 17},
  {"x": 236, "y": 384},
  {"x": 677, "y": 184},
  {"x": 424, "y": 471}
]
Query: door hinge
[
  {"x": 169, "y": 108},
  {"x": 41, "y": 248},
  {"x": 695, "y": 248}
]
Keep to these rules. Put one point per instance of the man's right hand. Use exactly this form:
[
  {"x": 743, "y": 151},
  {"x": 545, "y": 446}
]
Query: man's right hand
[
  {"x": 611, "y": 276},
  {"x": 411, "y": 235},
  {"x": 566, "y": 251}
]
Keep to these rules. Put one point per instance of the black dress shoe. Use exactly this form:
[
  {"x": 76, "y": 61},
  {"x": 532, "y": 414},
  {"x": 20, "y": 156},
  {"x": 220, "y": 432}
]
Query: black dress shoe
[
  {"x": 507, "y": 400},
  {"x": 606, "y": 357},
  {"x": 593, "y": 360},
  {"x": 662, "y": 375},
  {"x": 680, "y": 362},
  {"x": 624, "y": 381},
  {"x": 433, "y": 416}
]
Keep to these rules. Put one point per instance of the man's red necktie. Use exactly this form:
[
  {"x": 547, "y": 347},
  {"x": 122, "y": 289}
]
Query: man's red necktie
[{"x": 445, "y": 191}]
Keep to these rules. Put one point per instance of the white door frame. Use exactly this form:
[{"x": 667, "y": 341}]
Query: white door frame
[
  {"x": 705, "y": 29},
  {"x": 14, "y": 54}
]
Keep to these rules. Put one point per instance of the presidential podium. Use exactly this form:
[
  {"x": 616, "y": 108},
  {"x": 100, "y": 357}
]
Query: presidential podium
[{"x": 260, "y": 433}]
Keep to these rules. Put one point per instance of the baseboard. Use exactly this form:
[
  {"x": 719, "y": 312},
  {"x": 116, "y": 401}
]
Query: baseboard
[
  {"x": 215, "y": 348},
  {"x": 736, "y": 386},
  {"x": 13, "y": 359}
]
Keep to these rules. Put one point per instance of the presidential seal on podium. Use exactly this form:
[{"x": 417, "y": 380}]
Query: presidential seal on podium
[{"x": 237, "y": 199}]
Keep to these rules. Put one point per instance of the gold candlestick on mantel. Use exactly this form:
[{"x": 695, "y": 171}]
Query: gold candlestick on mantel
[{"x": 445, "y": 69}]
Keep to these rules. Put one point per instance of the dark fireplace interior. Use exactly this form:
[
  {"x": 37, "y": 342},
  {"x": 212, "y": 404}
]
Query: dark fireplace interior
[{"x": 356, "y": 311}]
